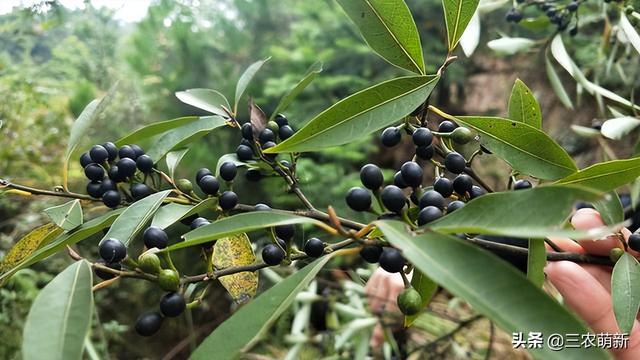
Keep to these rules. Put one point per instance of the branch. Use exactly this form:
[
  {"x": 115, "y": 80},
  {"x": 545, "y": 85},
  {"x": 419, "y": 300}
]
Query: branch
[{"x": 59, "y": 192}]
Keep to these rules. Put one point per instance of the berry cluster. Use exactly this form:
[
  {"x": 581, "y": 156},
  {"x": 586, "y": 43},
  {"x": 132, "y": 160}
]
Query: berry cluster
[
  {"x": 561, "y": 15},
  {"x": 109, "y": 169},
  {"x": 210, "y": 185}
]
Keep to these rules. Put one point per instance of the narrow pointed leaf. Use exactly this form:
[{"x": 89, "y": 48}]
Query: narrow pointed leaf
[
  {"x": 510, "y": 45},
  {"x": 457, "y": 14},
  {"x": 245, "y": 80},
  {"x": 536, "y": 260},
  {"x": 60, "y": 316},
  {"x": 524, "y": 147},
  {"x": 170, "y": 213},
  {"x": 605, "y": 176},
  {"x": 205, "y": 99},
  {"x": 556, "y": 84},
  {"x": 618, "y": 128},
  {"x": 523, "y": 106},
  {"x": 610, "y": 208},
  {"x": 630, "y": 32},
  {"x": 67, "y": 216},
  {"x": 471, "y": 37},
  {"x": 154, "y": 129},
  {"x": 625, "y": 291},
  {"x": 389, "y": 29},
  {"x": 492, "y": 287},
  {"x": 426, "y": 287},
  {"x": 183, "y": 135},
  {"x": 286, "y": 100},
  {"x": 173, "y": 159},
  {"x": 360, "y": 114}
]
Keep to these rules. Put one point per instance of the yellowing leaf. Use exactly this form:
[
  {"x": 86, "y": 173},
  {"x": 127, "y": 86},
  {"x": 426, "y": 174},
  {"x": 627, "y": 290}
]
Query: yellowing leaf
[
  {"x": 236, "y": 251},
  {"x": 28, "y": 244}
]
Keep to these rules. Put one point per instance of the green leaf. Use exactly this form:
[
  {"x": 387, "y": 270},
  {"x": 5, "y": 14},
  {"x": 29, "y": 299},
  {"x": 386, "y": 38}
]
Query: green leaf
[
  {"x": 168, "y": 214},
  {"x": 523, "y": 106},
  {"x": 286, "y": 100},
  {"x": 360, "y": 114},
  {"x": 536, "y": 260},
  {"x": 471, "y": 37},
  {"x": 618, "y": 128},
  {"x": 585, "y": 131},
  {"x": 524, "y": 147},
  {"x": 240, "y": 223},
  {"x": 605, "y": 176},
  {"x": 28, "y": 244},
  {"x": 181, "y": 136},
  {"x": 154, "y": 129},
  {"x": 233, "y": 251},
  {"x": 457, "y": 14},
  {"x": 135, "y": 217},
  {"x": 426, "y": 287},
  {"x": 492, "y": 287},
  {"x": 610, "y": 208},
  {"x": 87, "y": 229},
  {"x": 503, "y": 213},
  {"x": 228, "y": 157},
  {"x": 173, "y": 159},
  {"x": 60, "y": 316},
  {"x": 389, "y": 29},
  {"x": 245, "y": 79},
  {"x": 629, "y": 31},
  {"x": 257, "y": 316},
  {"x": 556, "y": 84},
  {"x": 510, "y": 45},
  {"x": 205, "y": 99},
  {"x": 625, "y": 291},
  {"x": 67, "y": 216}
]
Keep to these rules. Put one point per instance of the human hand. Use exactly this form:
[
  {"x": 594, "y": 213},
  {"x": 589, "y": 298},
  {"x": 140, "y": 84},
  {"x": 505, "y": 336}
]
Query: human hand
[{"x": 382, "y": 289}]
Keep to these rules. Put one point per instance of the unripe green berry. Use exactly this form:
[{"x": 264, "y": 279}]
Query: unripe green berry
[
  {"x": 409, "y": 301},
  {"x": 184, "y": 185},
  {"x": 169, "y": 280},
  {"x": 615, "y": 254},
  {"x": 149, "y": 262},
  {"x": 273, "y": 126},
  {"x": 461, "y": 135}
]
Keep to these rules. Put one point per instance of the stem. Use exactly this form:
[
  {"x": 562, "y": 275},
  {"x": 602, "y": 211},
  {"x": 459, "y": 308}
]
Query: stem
[{"x": 59, "y": 192}]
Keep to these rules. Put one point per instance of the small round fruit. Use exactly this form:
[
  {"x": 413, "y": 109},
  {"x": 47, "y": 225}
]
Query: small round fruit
[
  {"x": 209, "y": 184},
  {"x": 272, "y": 255},
  {"x": 112, "y": 250},
  {"x": 358, "y": 199},
  {"x": 144, "y": 163},
  {"x": 228, "y": 170},
  {"x": 393, "y": 198},
  {"x": 149, "y": 263},
  {"x": 98, "y": 154},
  {"x": 391, "y": 136},
  {"x": 266, "y": 135},
  {"x": 476, "y": 191},
  {"x": 461, "y": 135},
  {"x": 425, "y": 152},
  {"x": 140, "y": 191},
  {"x": 262, "y": 207},
  {"x": 197, "y": 222},
  {"x": 411, "y": 173},
  {"x": 399, "y": 181},
  {"x": 428, "y": 214},
  {"x": 244, "y": 152},
  {"x": 202, "y": 173},
  {"x": 105, "y": 275},
  {"x": 112, "y": 149},
  {"x": 522, "y": 184},
  {"x": 422, "y": 137},
  {"x": 314, "y": 247},
  {"x": 285, "y": 132},
  {"x": 148, "y": 323},
  {"x": 138, "y": 151},
  {"x": 94, "y": 189},
  {"x": 285, "y": 232},
  {"x": 184, "y": 185},
  {"x": 155, "y": 237},
  {"x": 172, "y": 304},
  {"x": 615, "y": 254},
  {"x": 94, "y": 172},
  {"x": 455, "y": 162},
  {"x": 371, "y": 176},
  {"x": 462, "y": 184},
  {"x": 371, "y": 253},
  {"x": 228, "y": 200},
  {"x": 446, "y": 126},
  {"x": 409, "y": 301},
  {"x": 168, "y": 279},
  {"x": 111, "y": 198},
  {"x": 253, "y": 175},
  {"x": 126, "y": 152},
  {"x": 85, "y": 159},
  {"x": 454, "y": 205},
  {"x": 114, "y": 174},
  {"x": 391, "y": 260},
  {"x": 281, "y": 120},
  {"x": 634, "y": 242},
  {"x": 247, "y": 131},
  {"x": 432, "y": 198},
  {"x": 126, "y": 167},
  {"x": 273, "y": 126},
  {"x": 444, "y": 186}
]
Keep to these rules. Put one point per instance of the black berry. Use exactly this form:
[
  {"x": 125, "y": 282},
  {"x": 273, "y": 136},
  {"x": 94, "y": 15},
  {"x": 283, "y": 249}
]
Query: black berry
[
  {"x": 371, "y": 253},
  {"x": 634, "y": 242},
  {"x": 422, "y": 137},
  {"x": 104, "y": 275},
  {"x": 358, "y": 199},
  {"x": 94, "y": 189},
  {"x": 285, "y": 132},
  {"x": 285, "y": 232},
  {"x": 126, "y": 152},
  {"x": 172, "y": 304},
  {"x": 391, "y": 136},
  {"x": 98, "y": 154},
  {"x": 371, "y": 176},
  {"x": 432, "y": 198},
  {"x": 444, "y": 186},
  {"x": 314, "y": 247},
  {"x": 144, "y": 163},
  {"x": 522, "y": 184},
  {"x": 228, "y": 200},
  {"x": 462, "y": 184},
  {"x": 112, "y": 149},
  {"x": 476, "y": 191},
  {"x": 85, "y": 160},
  {"x": 281, "y": 120},
  {"x": 411, "y": 173},
  {"x": 454, "y": 162},
  {"x": 391, "y": 260},
  {"x": 209, "y": 184},
  {"x": 137, "y": 150},
  {"x": 425, "y": 152},
  {"x": 140, "y": 191},
  {"x": 272, "y": 255},
  {"x": 446, "y": 126},
  {"x": 155, "y": 237},
  {"x": 126, "y": 167},
  {"x": 454, "y": 205},
  {"x": 228, "y": 170},
  {"x": 197, "y": 222},
  {"x": 428, "y": 214},
  {"x": 266, "y": 135},
  {"x": 107, "y": 184},
  {"x": 244, "y": 152},
  {"x": 148, "y": 323},
  {"x": 112, "y": 250},
  {"x": 393, "y": 198},
  {"x": 247, "y": 131},
  {"x": 201, "y": 173},
  {"x": 513, "y": 15},
  {"x": 94, "y": 172},
  {"x": 261, "y": 207},
  {"x": 111, "y": 198},
  {"x": 114, "y": 174},
  {"x": 399, "y": 181}
]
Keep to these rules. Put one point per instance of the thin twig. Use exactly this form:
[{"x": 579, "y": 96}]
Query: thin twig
[{"x": 4, "y": 183}]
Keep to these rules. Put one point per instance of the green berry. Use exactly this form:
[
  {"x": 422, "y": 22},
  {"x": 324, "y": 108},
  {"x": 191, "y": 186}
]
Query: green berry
[
  {"x": 409, "y": 301},
  {"x": 273, "y": 126},
  {"x": 169, "y": 280},
  {"x": 461, "y": 135},
  {"x": 149, "y": 263},
  {"x": 184, "y": 185},
  {"x": 615, "y": 254}
]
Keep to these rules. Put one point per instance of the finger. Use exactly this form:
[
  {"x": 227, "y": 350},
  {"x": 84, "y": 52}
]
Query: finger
[
  {"x": 601, "y": 273},
  {"x": 375, "y": 290},
  {"x": 587, "y": 219},
  {"x": 565, "y": 244},
  {"x": 377, "y": 337},
  {"x": 395, "y": 285}
]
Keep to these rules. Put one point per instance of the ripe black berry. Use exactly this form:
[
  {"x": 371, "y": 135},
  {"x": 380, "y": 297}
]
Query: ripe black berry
[
  {"x": 114, "y": 174},
  {"x": 228, "y": 200},
  {"x": 253, "y": 175},
  {"x": 454, "y": 162},
  {"x": 94, "y": 172},
  {"x": 209, "y": 184},
  {"x": 137, "y": 150},
  {"x": 104, "y": 275},
  {"x": 201, "y": 173},
  {"x": 155, "y": 237},
  {"x": 428, "y": 214},
  {"x": 522, "y": 184},
  {"x": 172, "y": 304},
  {"x": 411, "y": 173},
  {"x": 391, "y": 136},
  {"x": 261, "y": 207},
  {"x": 228, "y": 170},
  {"x": 422, "y": 137},
  {"x": 425, "y": 152},
  {"x": 399, "y": 181},
  {"x": 247, "y": 131},
  {"x": 393, "y": 198},
  {"x": 112, "y": 250},
  {"x": 98, "y": 154},
  {"x": 391, "y": 260},
  {"x": 573, "y": 6},
  {"x": 197, "y": 222},
  {"x": 144, "y": 163},
  {"x": 85, "y": 159},
  {"x": 112, "y": 149},
  {"x": 462, "y": 184},
  {"x": 371, "y": 253},
  {"x": 148, "y": 323},
  {"x": 314, "y": 247},
  {"x": 111, "y": 198},
  {"x": 285, "y": 132},
  {"x": 285, "y": 232},
  {"x": 94, "y": 189},
  {"x": 573, "y": 31},
  {"x": 513, "y": 15},
  {"x": 454, "y": 205},
  {"x": 371, "y": 176},
  {"x": 281, "y": 120},
  {"x": 266, "y": 135},
  {"x": 358, "y": 199},
  {"x": 476, "y": 191},
  {"x": 446, "y": 126},
  {"x": 272, "y": 255},
  {"x": 140, "y": 191},
  {"x": 444, "y": 186},
  {"x": 107, "y": 184},
  {"x": 432, "y": 198},
  {"x": 634, "y": 242},
  {"x": 126, "y": 151},
  {"x": 244, "y": 152},
  {"x": 126, "y": 167}
]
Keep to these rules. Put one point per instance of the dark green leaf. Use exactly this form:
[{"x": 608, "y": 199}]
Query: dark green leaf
[
  {"x": 286, "y": 100},
  {"x": 67, "y": 216},
  {"x": 492, "y": 287},
  {"x": 389, "y": 29},
  {"x": 524, "y": 147},
  {"x": 205, "y": 99},
  {"x": 245, "y": 79},
  {"x": 610, "y": 208},
  {"x": 172, "y": 212},
  {"x": 536, "y": 260},
  {"x": 523, "y": 106},
  {"x": 60, "y": 316},
  {"x": 183, "y": 135},
  {"x": 426, "y": 287},
  {"x": 155, "y": 129},
  {"x": 605, "y": 176},
  {"x": 256, "y": 317},
  {"x": 457, "y": 14},
  {"x": 625, "y": 291},
  {"x": 360, "y": 114}
]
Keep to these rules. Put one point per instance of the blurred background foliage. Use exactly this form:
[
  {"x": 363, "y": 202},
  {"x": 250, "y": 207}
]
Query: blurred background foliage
[{"x": 54, "y": 60}]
